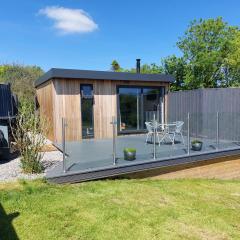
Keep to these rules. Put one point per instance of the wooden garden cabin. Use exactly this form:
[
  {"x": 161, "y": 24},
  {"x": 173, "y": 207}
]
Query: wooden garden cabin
[{"x": 89, "y": 99}]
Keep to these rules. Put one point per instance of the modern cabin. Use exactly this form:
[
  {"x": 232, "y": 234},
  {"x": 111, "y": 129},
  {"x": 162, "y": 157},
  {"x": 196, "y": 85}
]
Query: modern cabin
[{"x": 90, "y": 99}]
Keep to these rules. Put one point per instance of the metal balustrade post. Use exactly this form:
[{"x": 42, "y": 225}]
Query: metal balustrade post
[
  {"x": 217, "y": 136},
  {"x": 114, "y": 123},
  {"x": 188, "y": 136},
  {"x": 63, "y": 144},
  {"x": 154, "y": 136}
]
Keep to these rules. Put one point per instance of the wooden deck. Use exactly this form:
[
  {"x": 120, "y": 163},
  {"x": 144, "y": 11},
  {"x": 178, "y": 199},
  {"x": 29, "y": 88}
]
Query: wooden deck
[{"x": 91, "y": 159}]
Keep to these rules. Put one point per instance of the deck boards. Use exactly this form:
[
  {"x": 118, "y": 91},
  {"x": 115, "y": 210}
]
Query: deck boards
[
  {"x": 133, "y": 171},
  {"x": 92, "y": 159}
]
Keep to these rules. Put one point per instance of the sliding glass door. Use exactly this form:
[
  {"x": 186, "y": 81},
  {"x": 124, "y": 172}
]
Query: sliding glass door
[
  {"x": 130, "y": 104},
  {"x": 137, "y": 105}
]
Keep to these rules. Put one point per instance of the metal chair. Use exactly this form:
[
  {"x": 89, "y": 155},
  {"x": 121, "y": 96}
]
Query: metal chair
[
  {"x": 171, "y": 130},
  {"x": 150, "y": 129}
]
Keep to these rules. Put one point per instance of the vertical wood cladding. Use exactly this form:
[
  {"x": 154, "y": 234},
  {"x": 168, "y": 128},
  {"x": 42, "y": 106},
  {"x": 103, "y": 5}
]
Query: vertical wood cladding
[
  {"x": 61, "y": 98},
  {"x": 45, "y": 101}
]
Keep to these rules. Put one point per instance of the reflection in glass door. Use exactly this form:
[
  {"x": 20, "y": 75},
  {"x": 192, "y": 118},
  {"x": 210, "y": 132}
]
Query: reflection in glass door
[
  {"x": 87, "y": 100},
  {"x": 152, "y": 104}
]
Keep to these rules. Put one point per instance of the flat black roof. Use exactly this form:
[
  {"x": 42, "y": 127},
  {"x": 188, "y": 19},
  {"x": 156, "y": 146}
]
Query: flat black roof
[{"x": 101, "y": 75}]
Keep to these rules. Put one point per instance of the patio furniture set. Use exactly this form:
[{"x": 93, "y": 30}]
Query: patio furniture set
[{"x": 164, "y": 131}]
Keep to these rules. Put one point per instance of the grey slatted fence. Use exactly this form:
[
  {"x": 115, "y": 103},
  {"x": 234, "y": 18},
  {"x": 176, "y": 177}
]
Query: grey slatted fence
[{"x": 203, "y": 105}]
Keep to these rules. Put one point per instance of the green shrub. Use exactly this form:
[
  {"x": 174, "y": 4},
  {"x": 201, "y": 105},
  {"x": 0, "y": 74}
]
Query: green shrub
[
  {"x": 28, "y": 134},
  {"x": 132, "y": 150},
  {"x": 196, "y": 141}
]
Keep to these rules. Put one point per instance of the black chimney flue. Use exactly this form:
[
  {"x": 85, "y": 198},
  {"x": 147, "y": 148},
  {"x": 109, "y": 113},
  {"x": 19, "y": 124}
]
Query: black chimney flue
[{"x": 138, "y": 65}]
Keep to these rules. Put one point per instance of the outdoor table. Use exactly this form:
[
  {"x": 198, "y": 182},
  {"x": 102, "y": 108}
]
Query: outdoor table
[
  {"x": 164, "y": 126},
  {"x": 156, "y": 125}
]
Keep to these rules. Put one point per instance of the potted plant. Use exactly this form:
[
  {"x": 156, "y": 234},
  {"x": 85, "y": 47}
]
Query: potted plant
[
  {"x": 197, "y": 145},
  {"x": 129, "y": 154}
]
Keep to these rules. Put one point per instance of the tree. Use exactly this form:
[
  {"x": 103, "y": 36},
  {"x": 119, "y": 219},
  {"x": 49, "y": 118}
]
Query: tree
[
  {"x": 151, "y": 69},
  {"x": 176, "y": 67},
  {"x": 210, "y": 57},
  {"x": 145, "y": 68},
  {"x": 206, "y": 47},
  {"x": 232, "y": 63},
  {"x": 115, "y": 66},
  {"x": 21, "y": 78}
]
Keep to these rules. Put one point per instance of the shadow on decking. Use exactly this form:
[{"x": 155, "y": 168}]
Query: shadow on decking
[{"x": 7, "y": 230}]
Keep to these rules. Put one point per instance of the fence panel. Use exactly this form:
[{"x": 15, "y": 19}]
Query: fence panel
[{"x": 201, "y": 103}]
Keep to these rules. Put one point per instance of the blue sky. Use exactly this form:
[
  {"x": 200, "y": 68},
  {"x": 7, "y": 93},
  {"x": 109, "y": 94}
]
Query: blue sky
[{"x": 89, "y": 34}]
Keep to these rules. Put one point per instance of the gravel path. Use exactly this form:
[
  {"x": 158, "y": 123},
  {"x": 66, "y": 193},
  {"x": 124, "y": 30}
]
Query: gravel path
[{"x": 11, "y": 170}]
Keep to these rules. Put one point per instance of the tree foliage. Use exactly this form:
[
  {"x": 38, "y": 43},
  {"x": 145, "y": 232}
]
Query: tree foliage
[
  {"x": 152, "y": 68},
  {"x": 210, "y": 57},
  {"x": 115, "y": 66},
  {"x": 21, "y": 77},
  {"x": 146, "y": 68},
  {"x": 175, "y": 66},
  {"x": 207, "y": 46}
]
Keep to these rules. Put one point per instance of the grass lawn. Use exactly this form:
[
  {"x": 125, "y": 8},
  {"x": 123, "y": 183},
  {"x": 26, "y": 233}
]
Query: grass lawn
[{"x": 121, "y": 209}]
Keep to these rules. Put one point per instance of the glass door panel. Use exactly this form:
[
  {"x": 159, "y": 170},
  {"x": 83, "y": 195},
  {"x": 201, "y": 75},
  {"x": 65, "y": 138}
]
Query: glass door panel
[
  {"x": 129, "y": 108},
  {"x": 152, "y": 104}
]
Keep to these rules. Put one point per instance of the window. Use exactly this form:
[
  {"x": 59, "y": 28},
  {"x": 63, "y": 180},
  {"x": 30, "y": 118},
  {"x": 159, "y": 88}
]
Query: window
[{"x": 87, "y": 101}]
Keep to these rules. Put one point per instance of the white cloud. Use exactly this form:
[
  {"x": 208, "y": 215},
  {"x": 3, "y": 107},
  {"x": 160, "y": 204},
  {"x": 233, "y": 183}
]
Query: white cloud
[{"x": 69, "y": 21}]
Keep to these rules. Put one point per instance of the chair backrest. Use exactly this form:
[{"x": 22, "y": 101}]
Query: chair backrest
[
  {"x": 179, "y": 126},
  {"x": 149, "y": 127}
]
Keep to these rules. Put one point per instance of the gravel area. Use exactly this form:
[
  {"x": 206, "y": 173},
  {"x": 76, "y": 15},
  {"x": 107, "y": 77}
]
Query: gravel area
[{"x": 11, "y": 170}]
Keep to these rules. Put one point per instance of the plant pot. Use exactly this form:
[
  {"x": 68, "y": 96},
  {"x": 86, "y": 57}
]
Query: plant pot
[
  {"x": 197, "y": 146},
  {"x": 129, "y": 154}
]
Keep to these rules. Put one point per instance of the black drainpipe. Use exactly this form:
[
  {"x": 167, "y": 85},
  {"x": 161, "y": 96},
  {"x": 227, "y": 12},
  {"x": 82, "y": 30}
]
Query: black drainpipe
[{"x": 138, "y": 65}]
